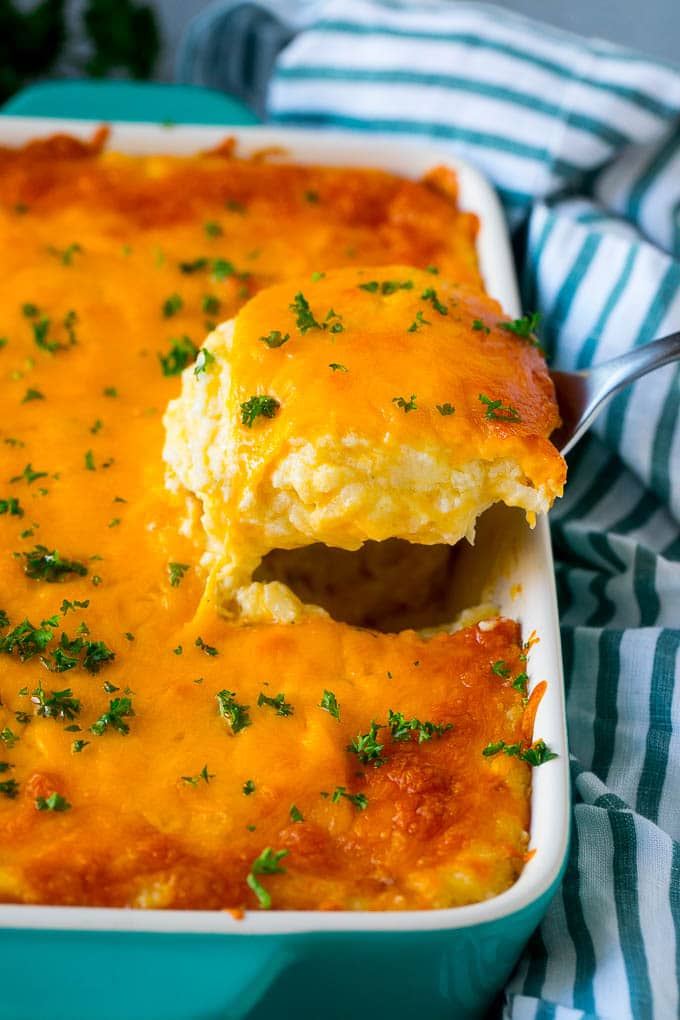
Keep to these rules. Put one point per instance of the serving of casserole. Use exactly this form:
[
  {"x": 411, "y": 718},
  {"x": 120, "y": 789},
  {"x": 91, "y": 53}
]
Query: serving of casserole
[{"x": 202, "y": 710}]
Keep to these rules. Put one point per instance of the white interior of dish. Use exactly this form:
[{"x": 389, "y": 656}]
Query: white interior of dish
[{"x": 510, "y": 564}]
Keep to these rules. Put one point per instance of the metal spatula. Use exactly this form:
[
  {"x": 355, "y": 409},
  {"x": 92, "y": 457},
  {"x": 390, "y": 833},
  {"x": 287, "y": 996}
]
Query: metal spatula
[{"x": 582, "y": 395}]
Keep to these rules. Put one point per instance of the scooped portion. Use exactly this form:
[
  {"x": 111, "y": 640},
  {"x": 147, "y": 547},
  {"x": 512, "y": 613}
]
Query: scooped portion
[{"x": 360, "y": 404}]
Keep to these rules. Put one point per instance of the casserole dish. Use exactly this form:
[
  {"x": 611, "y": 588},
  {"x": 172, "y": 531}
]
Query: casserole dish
[{"x": 200, "y": 964}]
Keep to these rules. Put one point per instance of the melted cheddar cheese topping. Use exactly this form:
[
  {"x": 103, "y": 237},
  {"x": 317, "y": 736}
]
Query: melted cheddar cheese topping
[{"x": 128, "y": 773}]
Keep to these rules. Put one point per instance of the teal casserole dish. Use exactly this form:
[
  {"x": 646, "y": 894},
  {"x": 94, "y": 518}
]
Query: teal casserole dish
[{"x": 62, "y": 963}]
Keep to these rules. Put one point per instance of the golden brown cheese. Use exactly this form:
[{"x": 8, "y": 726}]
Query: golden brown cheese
[
  {"x": 396, "y": 405},
  {"x": 104, "y": 260}
]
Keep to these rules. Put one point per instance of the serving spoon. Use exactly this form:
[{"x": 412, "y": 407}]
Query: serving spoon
[{"x": 582, "y": 395}]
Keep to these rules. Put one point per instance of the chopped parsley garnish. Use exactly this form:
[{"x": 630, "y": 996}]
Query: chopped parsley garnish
[
  {"x": 282, "y": 706},
  {"x": 366, "y": 746},
  {"x": 445, "y": 409},
  {"x": 223, "y": 268},
  {"x": 28, "y": 640},
  {"x": 520, "y": 683},
  {"x": 304, "y": 317},
  {"x": 30, "y": 475},
  {"x": 56, "y": 704},
  {"x": 119, "y": 710},
  {"x": 11, "y": 506},
  {"x": 312, "y": 197},
  {"x": 233, "y": 206},
  {"x": 70, "y": 320},
  {"x": 32, "y": 394},
  {"x": 213, "y": 229},
  {"x": 524, "y": 327},
  {"x": 67, "y": 655},
  {"x": 177, "y": 572},
  {"x": 195, "y": 780},
  {"x": 178, "y": 650},
  {"x": 386, "y": 287},
  {"x": 5, "y": 766},
  {"x": 30, "y": 311},
  {"x": 496, "y": 412},
  {"x": 248, "y": 787},
  {"x": 360, "y": 800},
  {"x": 337, "y": 367},
  {"x": 418, "y": 322},
  {"x": 203, "y": 361},
  {"x": 501, "y": 669},
  {"x": 172, "y": 305},
  {"x": 537, "y": 754},
  {"x": 194, "y": 266},
  {"x": 336, "y": 327},
  {"x": 401, "y": 728},
  {"x": 97, "y": 427},
  {"x": 480, "y": 327},
  {"x": 65, "y": 255},
  {"x": 264, "y": 406},
  {"x": 406, "y": 405},
  {"x": 295, "y": 814},
  {"x": 55, "y": 802},
  {"x": 430, "y": 294},
  {"x": 41, "y": 329},
  {"x": 210, "y": 304},
  {"x": 43, "y": 564},
  {"x": 89, "y": 461},
  {"x": 8, "y": 738},
  {"x": 9, "y": 788},
  {"x": 236, "y": 715},
  {"x": 266, "y": 864},
  {"x": 78, "y": 745},
  {"x": 110, "y": 391},
  {"x": 208, "y": 649},
  {"x": 329, "y": 703},
  {"x": 182, "y": 352},
  {"x": 275, "y": 338}
]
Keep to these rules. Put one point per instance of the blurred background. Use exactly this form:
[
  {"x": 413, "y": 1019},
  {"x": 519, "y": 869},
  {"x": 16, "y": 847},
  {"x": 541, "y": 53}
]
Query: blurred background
[{"x": 140, "y": 39}]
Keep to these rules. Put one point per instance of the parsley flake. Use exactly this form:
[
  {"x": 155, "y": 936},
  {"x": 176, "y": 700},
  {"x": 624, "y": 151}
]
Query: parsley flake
[
  {"x": 256, "y": 406},
  {"x": 430, "y": 294},
  {"x": 248, "y": 787},
  {"x": 304, "y": 317},
  {"x": 195, "y": 780},
  {"x": 29, "y": 475},
  {"x": 266, "y": 864},
  {"x": 177, "y": 572},
  {"x": 32, "y": 394},
  {"x": 445, "y": 409},
  {"x": 282, "y": 706},
  {"x": 401, "y": 729},
  {"x": 9, "y": 788},
  {"x": 524, "y": 327},
  {"x": 337, "y": 367},
  {"x": 114, "y": 718},
  {"x": 45, "y": 565},
  {"x": 329, "y": 703},
  {"x": 418, "y": 322},
  {"x": 233, "y": 713},
  {"x": 295, "y": 814},
  {"x": 480, "y": 327},
  {"x": 56, "y": 705},
  {"x": 496, "y": 412},
  {"x": 172, "y": 305},
  {"x": 11, "y": 506},
  {"x": 406, "y": 405},
  {"x": 366, "y": 746},
  {"x": 501, "y": 669},
  {"x": 208, "y": 649},
  {"x": 359, "y": 800},
  {"x": 204, "y": 360},
  {"x": 55, "y": 802},
  {"x": 182, "y": 352},
  {"x": 275, "y": 338}
]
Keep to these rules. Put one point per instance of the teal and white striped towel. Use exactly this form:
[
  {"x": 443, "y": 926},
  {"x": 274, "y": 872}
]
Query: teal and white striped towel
[{"x": 582, "y": 140}]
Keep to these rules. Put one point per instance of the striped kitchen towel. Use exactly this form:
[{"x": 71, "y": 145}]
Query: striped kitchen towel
[{"x": 582, "y": 140}]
